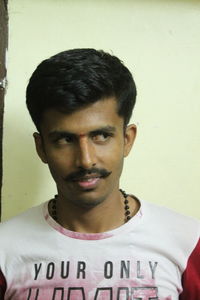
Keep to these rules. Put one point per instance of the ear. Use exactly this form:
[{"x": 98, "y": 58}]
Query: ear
[
  {"x": 40, "y": 147},
  {"x": 129, "y": 138}
]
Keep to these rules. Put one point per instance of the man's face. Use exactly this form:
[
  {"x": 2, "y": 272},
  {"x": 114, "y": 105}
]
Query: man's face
[{"x": 85, "y": 151}]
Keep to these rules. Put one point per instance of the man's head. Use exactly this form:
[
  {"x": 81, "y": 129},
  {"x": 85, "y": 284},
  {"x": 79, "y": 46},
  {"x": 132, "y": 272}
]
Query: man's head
[
  {"x": 81, "y": 101},
  {"x": 76, "y": 78}
]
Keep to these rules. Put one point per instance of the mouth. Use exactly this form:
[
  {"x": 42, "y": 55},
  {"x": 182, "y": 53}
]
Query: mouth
[
  {"x": 88, "y": 182},
  {"x": 87, "y": 179}
]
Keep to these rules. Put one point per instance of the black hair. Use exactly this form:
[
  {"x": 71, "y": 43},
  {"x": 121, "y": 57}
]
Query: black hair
[{"x": 76, "y": 78}]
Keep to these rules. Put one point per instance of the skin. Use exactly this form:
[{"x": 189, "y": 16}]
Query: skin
[{"x": 92, "y": 137}]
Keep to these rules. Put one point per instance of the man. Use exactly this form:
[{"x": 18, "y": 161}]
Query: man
[{"x": 92, "y": 240}]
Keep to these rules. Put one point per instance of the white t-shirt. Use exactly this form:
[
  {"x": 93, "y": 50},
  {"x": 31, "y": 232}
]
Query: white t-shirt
[{"x": 156, "y": 255}]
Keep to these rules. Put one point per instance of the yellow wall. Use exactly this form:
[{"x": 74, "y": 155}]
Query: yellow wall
[{"x": 160, "y": 42}]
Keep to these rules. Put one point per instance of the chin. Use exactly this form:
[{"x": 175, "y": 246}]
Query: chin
[
  {"x": 86, "y": 203},
  {"x": 88, "y": 199}
]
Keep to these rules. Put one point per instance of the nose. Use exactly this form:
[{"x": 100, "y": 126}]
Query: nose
[{"x": 85, "y": 156}]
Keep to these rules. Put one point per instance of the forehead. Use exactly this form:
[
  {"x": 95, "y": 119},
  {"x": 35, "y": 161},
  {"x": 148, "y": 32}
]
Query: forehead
[{"x": 99, "y": 114}]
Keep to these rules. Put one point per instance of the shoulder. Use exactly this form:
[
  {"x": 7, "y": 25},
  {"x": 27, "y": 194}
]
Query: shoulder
[
  {"x": 178, "y": 234},
  {"x": 169, "y": 219},
  {"x": 23, "y": 223}
]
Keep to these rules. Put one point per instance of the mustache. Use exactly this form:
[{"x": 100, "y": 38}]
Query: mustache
[{"x": 83, "y": 172}]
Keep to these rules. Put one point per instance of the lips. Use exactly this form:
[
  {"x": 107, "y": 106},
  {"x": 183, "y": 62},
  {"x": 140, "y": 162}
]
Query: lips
[
  {"x": 88, "y": 182},
  {"x": 87, "y": 179}
]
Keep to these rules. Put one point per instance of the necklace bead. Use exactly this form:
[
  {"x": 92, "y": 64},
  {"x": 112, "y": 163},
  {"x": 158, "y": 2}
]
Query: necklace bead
[{"x": 126, "y": 206}]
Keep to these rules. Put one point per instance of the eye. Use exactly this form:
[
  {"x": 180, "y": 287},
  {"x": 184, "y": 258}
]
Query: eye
[
  {"x": 64, "y": 140},
  {"x": 101, "y": 136}
]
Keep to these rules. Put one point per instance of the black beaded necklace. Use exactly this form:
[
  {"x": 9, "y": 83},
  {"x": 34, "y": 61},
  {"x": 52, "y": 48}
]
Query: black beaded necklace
[{"x": 126, "y": 207}]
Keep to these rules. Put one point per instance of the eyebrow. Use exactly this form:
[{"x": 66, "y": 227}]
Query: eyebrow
[{"x": 63, "y": 133}]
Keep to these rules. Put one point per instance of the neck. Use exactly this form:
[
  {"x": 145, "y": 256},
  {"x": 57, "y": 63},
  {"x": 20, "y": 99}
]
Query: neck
[{"x": 103, "y": 217}]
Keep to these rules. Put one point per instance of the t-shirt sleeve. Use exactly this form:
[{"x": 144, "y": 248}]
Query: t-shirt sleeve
[
  {"x": 2, "y": 286},
  {"x": 191, "y": 276}
]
